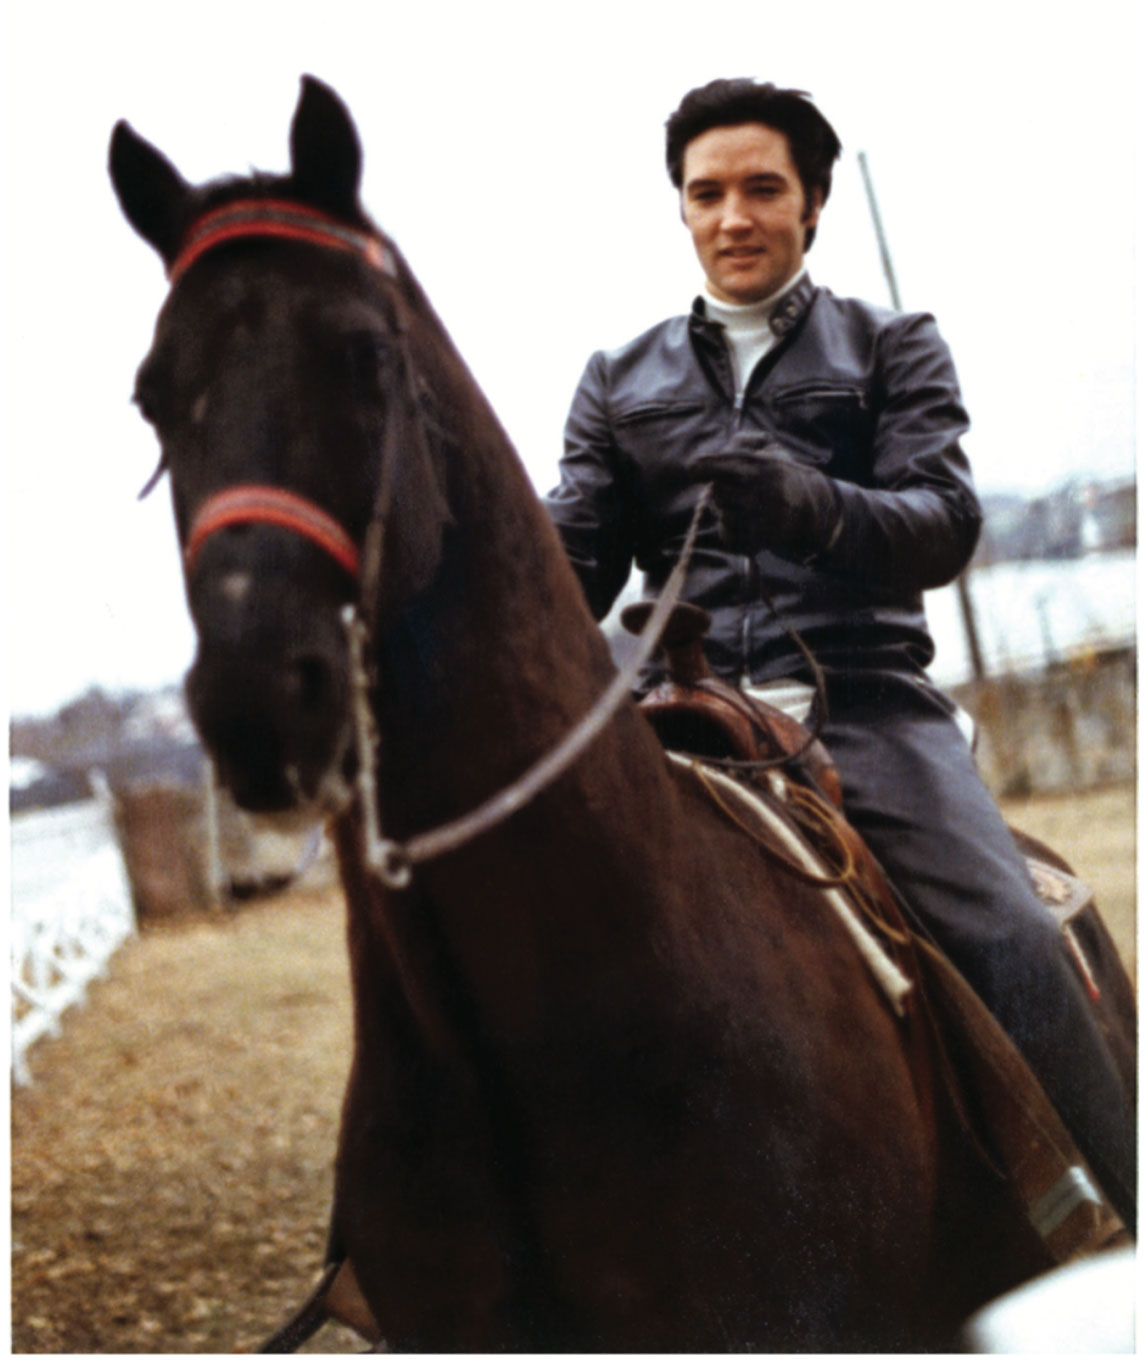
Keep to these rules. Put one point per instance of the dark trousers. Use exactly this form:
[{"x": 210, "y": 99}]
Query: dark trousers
[{"x": 912, "y": 790}]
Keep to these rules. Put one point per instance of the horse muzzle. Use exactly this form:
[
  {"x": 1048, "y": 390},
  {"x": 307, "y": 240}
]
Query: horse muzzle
[
  {"x": 269, "y": 693},
  {"x": 269, "y": 690},
  {"x": 277, "y": 730}
]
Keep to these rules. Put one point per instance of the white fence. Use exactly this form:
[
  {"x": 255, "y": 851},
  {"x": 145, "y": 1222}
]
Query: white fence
[{"x": 71, "y": 909}]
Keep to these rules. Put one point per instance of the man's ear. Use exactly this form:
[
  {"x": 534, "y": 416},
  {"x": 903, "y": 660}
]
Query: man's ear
[{"x": 815, "y": 202}]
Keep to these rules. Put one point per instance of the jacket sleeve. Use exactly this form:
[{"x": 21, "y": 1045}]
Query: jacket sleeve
[
  {"x": 590, "y": 506},
  {"x": 916, "y": 525}
]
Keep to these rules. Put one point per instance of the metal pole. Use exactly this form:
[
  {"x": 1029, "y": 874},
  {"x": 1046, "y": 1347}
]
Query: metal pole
[
  {"x": 967, "y": 608},
  {"x": 878, "y": 227}
]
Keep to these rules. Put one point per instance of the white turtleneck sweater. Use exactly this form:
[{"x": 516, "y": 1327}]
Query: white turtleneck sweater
[{"x": 747, "y": 331}]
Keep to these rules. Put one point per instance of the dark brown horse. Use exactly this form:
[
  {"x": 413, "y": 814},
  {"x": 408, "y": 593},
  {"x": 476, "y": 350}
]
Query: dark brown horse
[{"x": 617, "y": 1083}]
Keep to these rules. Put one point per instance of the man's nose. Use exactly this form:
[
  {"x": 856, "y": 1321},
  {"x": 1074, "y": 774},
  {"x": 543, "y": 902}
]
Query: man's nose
[{"x": 735, "y": 213}]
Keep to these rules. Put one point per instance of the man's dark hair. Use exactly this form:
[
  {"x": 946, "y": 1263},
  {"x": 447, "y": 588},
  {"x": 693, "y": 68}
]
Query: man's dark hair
[{"x": 726, "y": 103}]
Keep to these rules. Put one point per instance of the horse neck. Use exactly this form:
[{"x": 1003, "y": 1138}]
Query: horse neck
[
  {"x": 479, "y": 677},
  {"x": 500, "y": 657}
]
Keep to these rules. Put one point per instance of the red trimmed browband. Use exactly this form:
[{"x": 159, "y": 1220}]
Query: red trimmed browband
[
  {"x": 254, "y": 504},
  {"x": 276, "y": 218}
]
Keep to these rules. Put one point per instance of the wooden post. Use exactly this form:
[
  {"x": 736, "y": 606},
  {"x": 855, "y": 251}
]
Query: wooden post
[{"x": 211, "y": 819}]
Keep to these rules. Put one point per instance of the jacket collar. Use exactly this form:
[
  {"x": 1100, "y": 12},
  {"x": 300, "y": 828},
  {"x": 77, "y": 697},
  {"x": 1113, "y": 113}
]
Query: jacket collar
[{"x": 787, "y": 310}]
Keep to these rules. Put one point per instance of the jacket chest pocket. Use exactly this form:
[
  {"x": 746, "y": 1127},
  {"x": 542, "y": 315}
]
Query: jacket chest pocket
[
  {"x": 830, "y": 423},
  {"x": 657, "y": 438},
  {"x": 654, "y": 413}
]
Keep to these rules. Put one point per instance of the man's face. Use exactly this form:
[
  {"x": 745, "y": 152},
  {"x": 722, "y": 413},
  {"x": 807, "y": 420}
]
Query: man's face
[{"x": 744, "y": 205}]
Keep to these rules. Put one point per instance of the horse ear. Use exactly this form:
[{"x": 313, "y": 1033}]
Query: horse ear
[
  {"x": 326, "y": 158},
  {"x": 152, "y": 193}
]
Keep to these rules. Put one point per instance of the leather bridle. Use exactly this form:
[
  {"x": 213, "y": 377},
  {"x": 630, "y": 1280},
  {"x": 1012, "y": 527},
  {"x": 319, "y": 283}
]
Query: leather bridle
[{"x": 393, "y": 862}]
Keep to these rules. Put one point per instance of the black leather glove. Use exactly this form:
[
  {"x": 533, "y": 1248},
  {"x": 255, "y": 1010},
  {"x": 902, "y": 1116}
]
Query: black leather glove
[{"x": 766, "y": 498}]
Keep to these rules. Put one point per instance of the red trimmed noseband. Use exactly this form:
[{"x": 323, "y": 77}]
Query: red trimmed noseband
[
  {"x": 254, "y": 504},
  {"x": 284, "y": 220}
]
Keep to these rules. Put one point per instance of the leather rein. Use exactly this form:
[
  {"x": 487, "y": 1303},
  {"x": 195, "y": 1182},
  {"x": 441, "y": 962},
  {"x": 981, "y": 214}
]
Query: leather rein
[{"x": 392, "y": 861}]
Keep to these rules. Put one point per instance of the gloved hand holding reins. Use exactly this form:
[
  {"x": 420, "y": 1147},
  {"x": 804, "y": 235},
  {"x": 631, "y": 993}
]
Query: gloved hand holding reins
[{"x": 766, "y": 498}]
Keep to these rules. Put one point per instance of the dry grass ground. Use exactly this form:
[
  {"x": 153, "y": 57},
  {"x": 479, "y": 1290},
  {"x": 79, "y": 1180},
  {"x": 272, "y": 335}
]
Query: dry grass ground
[
  {"x": 1096, "y": 832},
  {"x": 171, "y": 1164}
]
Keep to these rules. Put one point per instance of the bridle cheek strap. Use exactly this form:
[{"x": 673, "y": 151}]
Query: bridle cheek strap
[{"x": 255, "y": 504}]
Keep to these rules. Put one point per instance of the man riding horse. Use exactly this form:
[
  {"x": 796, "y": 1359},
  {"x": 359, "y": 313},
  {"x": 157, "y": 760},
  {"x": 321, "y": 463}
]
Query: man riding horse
[
  {"x": 621, "y": 1081},
  {"x": 830, "y": 431}
]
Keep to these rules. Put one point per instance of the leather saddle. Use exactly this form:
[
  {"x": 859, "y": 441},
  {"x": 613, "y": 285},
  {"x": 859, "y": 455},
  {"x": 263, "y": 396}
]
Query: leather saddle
[{"x": 695, "y": 712}]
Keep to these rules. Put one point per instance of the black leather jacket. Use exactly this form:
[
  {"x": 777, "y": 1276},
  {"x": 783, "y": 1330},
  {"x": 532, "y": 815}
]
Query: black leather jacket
[{"x": 867, "y": 395}]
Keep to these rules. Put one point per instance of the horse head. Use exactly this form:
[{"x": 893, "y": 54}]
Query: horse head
[{"x": 283, "y": 385}]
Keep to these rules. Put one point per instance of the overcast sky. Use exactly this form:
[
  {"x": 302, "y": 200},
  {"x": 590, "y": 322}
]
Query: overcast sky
[{"x": 515, "y": 152}]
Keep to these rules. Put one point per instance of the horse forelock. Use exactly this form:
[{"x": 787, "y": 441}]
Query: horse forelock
[{"x": 259, "y": 184}]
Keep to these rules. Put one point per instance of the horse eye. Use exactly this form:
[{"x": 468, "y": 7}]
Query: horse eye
[
  {"x": 150, "y": 388},
  {"x": 365, "y": 352}
]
